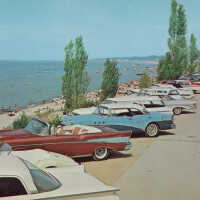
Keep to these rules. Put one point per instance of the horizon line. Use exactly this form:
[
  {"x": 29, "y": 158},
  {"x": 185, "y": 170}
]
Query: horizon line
[{"x": 117, "y": 57}]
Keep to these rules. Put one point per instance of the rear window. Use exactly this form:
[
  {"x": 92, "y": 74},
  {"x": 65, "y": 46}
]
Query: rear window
[
  {"x": 10, "y": 186},
  {"x": 43, "y": 181}
]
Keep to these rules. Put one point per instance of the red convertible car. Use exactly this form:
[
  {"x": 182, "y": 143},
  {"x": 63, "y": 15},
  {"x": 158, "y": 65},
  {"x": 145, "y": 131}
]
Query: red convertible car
[{"x": 74, "y": 141}]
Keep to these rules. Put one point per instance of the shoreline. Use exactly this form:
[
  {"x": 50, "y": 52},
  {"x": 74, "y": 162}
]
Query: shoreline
[{"x": 6, "y": 120}]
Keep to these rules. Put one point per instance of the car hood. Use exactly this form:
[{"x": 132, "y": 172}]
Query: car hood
[{"x": 77, "y": 183}]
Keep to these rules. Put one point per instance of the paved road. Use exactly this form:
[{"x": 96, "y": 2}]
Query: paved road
[{"x": 169, "y": 168}]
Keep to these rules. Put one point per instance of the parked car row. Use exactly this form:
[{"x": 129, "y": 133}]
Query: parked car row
[
  {"x": 128, "y": 115},
  {"x": 36, "y": 161}
]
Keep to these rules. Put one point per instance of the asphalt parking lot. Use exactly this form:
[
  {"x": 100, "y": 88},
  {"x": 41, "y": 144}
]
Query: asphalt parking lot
[{"x": 165, "y": 167}]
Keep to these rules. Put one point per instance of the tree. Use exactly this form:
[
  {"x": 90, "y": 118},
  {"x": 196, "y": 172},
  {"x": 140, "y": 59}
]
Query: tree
[
  {"x": 194, "y": 54},
  {"x": 175, "y": 61},
  {"x": 75, "y": 80},
  {"x": 110, "y": 80},
  {"x": 145, "y": 81},
  {"x": 165, "y": 69}
]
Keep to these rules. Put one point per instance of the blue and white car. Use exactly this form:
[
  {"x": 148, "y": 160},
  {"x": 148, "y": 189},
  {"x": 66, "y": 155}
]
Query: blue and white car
[{"x": 126, "y": 115}]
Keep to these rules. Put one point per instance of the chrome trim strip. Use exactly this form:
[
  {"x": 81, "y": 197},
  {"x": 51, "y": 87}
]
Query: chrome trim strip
[
  {"x": 118, "y": 140},
  {"x": 103, "y": 193}
]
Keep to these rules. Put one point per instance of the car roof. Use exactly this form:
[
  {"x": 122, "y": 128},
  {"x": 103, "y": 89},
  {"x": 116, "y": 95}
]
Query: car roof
[
  {"x": 133, "y": 98},
  {"x": 13, "y": 166},
  {"x": 122, "y": 105}
]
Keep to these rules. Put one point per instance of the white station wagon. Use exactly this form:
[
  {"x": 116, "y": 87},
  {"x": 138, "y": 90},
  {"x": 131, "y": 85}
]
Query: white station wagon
[{"x": 21, "y": 180}]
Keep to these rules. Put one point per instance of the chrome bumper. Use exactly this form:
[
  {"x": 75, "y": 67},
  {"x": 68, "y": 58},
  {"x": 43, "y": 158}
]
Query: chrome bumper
[
  {"x": 128, "y": 146},
  {"x": 173, "y": 126}
]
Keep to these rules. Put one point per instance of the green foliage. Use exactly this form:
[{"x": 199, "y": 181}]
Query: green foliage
[
  {"x": 75, "y": 80},
  {"x": 21, "y": 122},
  {"x": 110, "y": 80},
  {"x": 55, "y": 122},
  {"x": 194, "y": 54},
  {"x": 165, "y": 68},
  {"x": 176, "y": 60},
  {"x": 145, "y": 81}
]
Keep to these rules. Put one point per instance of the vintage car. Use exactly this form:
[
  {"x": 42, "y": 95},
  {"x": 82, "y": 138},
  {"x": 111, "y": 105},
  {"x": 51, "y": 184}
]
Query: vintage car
[
  {"x": 165, "y": 91},
  {"x": 21, "y": 180},
  {"x": 150, "y": 103},
  {"x": 127, "y": 115},
  {"x": 74, "y": 141},
  {"x": 125, "y": 99},
  {"x": 193, "y": 77},
  {"x": 163, "y": 104},
  {"x": 181, "y": 90},
  {"x": 179, "y": 105}
]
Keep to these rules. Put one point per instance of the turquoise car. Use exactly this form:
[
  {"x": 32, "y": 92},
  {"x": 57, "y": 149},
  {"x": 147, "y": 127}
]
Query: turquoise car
[{"x": 126, "y": 115}]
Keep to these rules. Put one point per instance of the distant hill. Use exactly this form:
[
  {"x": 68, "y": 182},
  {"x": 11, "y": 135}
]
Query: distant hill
[{"x": 152, "y": 60}]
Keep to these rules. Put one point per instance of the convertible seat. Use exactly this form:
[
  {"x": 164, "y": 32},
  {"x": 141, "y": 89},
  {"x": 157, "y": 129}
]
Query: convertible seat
[{"x": 76, "y": 130}]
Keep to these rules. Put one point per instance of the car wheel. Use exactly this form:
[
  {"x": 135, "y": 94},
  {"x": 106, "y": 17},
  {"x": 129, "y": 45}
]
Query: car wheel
[
  {"x": 152, "y": 130},
  {"x": 101, "y": 153},
  {"x": 177, "y": 111}
]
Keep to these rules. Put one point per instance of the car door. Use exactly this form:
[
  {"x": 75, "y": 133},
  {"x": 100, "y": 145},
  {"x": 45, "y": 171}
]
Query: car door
[
  {"x": 101, "y": 118},
  {"x": 129, "y": 118}
]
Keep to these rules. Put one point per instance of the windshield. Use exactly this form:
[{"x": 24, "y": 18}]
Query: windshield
[
  {"x": 37, "y": 127},
  {"x": 43, "y": 181},
  {"x": 145, "y": 111},
  {"x": 101, "y": 110}
]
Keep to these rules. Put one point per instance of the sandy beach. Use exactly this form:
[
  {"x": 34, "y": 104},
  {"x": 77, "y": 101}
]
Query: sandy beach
[{"x": 6, "y": 120}]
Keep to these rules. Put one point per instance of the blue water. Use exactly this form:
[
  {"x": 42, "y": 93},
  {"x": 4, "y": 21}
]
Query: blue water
[{"x": 22, "y": 82}]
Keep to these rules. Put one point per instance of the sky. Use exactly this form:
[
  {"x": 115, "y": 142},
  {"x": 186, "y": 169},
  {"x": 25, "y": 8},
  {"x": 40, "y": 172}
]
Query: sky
[{"x": 39, "y": 29}]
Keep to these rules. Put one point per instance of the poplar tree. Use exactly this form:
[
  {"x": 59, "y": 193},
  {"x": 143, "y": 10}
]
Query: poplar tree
[
  {"x": 175, "y": 61},
  {"x": 194, "y": 54},
  {"x": 75, "y": 80},
  {"x": 110, "y": 80}
]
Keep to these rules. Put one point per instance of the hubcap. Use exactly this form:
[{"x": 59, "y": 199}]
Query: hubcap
[
  {"x": 152, "y": 130},
  {"x": 177, "y": 111},
  {"x": 101, "y": 152}
]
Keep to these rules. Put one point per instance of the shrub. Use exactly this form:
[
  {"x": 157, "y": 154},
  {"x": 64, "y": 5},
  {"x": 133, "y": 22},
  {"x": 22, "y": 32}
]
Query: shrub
[
  {"x": 21, "y": 122},
  {"x": 145, "y": 81},
  {"x": 56, "y": 121}
]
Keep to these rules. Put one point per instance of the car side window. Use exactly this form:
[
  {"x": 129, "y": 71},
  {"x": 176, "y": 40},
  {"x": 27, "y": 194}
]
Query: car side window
[
  {"x": 173, "y": 92},
  {"x": 136, "y": 112},
  {"x": 103, "y": 111},
  {"x": 10, "y": 186}
]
